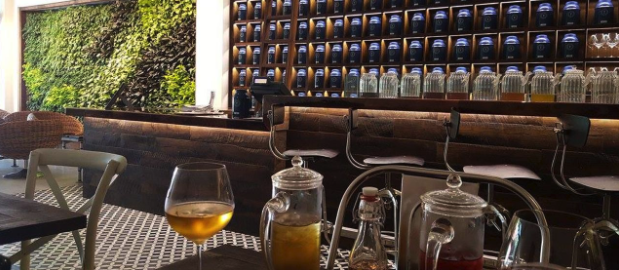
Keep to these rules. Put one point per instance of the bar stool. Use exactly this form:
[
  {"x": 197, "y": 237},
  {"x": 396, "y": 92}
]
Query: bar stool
[
  {"x": 573, "y": 131},
  {"x": 505, "y": 171},
  {"x": 276, "y": 118},
  {"x": 389, "y": 193}
]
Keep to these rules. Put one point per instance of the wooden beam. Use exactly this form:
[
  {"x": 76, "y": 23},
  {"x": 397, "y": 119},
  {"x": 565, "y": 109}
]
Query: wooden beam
[{"x": 65, "y": 4}]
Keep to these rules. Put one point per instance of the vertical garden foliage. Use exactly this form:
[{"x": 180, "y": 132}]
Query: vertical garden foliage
[{"x": 80, "y": 56}]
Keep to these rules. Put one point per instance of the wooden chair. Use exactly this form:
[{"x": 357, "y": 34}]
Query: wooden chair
[{"x": 110, "y": 164}]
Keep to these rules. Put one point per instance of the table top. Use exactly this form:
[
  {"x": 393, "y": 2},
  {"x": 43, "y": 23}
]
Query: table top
[
  {"x": 22, "y": 219},
  {"x": 223, "y": 258}
]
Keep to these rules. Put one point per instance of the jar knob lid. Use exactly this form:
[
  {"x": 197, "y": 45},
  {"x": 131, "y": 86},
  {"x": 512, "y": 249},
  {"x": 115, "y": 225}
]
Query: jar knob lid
[
  {"x": 370, "y": 191},
  {"x": 297, "y": 161},
  {"x": 454, "y": 181}
]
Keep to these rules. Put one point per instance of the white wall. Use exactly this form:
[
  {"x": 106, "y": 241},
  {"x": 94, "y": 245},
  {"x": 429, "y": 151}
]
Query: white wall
[{"x": 211, "y": 60}]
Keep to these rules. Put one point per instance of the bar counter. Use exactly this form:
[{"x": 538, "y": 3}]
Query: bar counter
[{"x": 491, "y": 133}]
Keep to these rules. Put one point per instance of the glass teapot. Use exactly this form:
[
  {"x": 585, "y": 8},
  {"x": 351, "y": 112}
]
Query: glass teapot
[
  {"x": 573, "y": 87},
  {"x": 291, "y": 221},
  {"x": 486, "y": 85},
  {"x": 513, "y": 85},
  {"x": 604, "y": 86},
  {"x": 543, "y": 86},
  {"x": 458, "y": 82},
  {"x": 434, "y": 84},
  {"x": 452, "y": 232}
]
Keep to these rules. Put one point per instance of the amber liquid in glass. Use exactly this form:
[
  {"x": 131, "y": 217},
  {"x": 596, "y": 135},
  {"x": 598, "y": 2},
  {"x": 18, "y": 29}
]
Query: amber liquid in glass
[
  {"x": 434, "y": 95},
  {"x": 367, "y": 265},
  {"x": 296, "y": 247},
  {"x": 198, "y": 221},
  {"x": 512, "y": 96},
  {"x": 459, "y": 96},
  {"x": 542, "y": 98},
  {"x": 462, "y": 264}
]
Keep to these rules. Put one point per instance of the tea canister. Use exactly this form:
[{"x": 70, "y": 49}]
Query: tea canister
[
  {"x": 321, "y": 7},
  {"x": 302, "y": 55},
  {"x": 303, "y": 8},
  {"x": 243, "y": 34},
  {"x": 319, "y": 54},
  {"x": 302, "y": 31},
  {"x": 374, "y": 54},
  {"x": 242, "y": 12},
  {"x": 271, "y": 55},
  {"x": 489, "y": 19},
  {"x": 464, "y": 21},
  {"x": 418, "y": 23},
  {"x": 286, "y": 32},
  {"x": 321, "y": 30},
  {"x": 355, "y": 27},
  {"x": 285, "y": 55},
  {"x": 356, "y": 5},
  {"x": 336, "y": 54},
  {"x": 273, "y": 8},
  {"x": 272, "y": 31},
  {"x": 604, "y": 12},
  {"x": 257, "y": 11},
  {"x": 301, "y": 78},
  {"x": 571, "y": 13},
  {"x": 338, "y": 6},
  {"x": 569, "y": 46},
  {"x": 287, "y": 7},
  {"x": 545, "y": 15},
  {"x": 257, "y": 33},
  {"x": 284, "y": 76},
  {"x": 514, "y": 17},
  {"x": 485, "y": 48},
  {"x": 376, "y": 4},
  {"x": 394, "y": 52},
  {"x": 375, "y": 27},
  {"x": 415, "y": 51},
  {"x": 242, "y": 59},
  {"x": 242, "y": 77},
  {"x": 441, "y": 22},
  {"x": 417, "y": 3},
  {"x": 541, "y": 47},
  {"x": 336, "y": 78},
  {"x": 338, "y": 28},
  {"x": 439, "y": 50},
  {"x": 395, "y": 3},
  {"x": 256, "y": 56},
  {"x": 462, "y": 50},
  {"x": 319, "y": 79},
  {"x": 395, "y": 25},
  {"x": 511, "y": 48},
  {"x": 351, "y": 84},
  {"x": 354, "y": 53},
  {"x": 271, "y": 75},
  {"x": 241, "y": 104}
]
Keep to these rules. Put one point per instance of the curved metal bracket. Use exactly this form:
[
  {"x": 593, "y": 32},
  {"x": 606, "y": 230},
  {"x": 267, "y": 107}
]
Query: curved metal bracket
[
  {"x": 560, "y": 132},
  {"x": 351, "y": 158},
  {"x": 272, "y": 146},
  {"x": 521, "y": 192}
]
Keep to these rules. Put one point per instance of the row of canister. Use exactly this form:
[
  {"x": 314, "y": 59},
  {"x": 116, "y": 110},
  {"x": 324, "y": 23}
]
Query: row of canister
[
  {"x": 537, "y": 86},
  {"x": 544, "y": 15},
  {"x": 569, "y": 48}
]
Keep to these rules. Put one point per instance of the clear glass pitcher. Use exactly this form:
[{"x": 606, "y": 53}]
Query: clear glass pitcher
[
  {"x": 453, "y": 225},
  {"x": 573, "y": 87},
  {"x": 368, "y": 87},
  {"x": 486, "y": 86},
  {"x": 291, "y": 221},
  {"x": 410, "y": 86},
  {"x": 543, "y": 85},
  {"x": 434, "y": 84},
  {"x": 604, "y": 85},
  {"x": 458, "y": 85},
  {"x": 388, "y": 86},
  {"x": 513, "y": 85}
]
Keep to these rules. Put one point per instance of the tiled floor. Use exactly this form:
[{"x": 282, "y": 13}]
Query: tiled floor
[
  {"x": 128, "y": 239},
  {"x": 65, "y": 177}
]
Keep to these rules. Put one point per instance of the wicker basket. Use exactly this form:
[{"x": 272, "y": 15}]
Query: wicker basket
[
  {"x": 19, "y": 138},
  {"x": 70, "y": 125}
]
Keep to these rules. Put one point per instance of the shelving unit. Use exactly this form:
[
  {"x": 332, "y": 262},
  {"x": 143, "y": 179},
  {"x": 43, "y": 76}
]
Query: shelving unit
[{"x": 526, "y": 35}]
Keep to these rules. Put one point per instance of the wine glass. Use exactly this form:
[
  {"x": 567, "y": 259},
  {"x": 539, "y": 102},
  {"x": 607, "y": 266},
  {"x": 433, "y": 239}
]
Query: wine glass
[
  {"x": 612, "y": 43},
  {"x": 607, "y": 46},
  {"x": 599, "y": 42},
  {"x": 199, "y": 202},
  {"x": 592, "y": 41}
]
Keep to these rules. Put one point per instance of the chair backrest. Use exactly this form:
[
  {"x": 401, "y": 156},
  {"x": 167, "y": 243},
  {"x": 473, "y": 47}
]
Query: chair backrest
[
  {"x": 454, "y": 124},
  {"x": 110, "y": 164},
  {"x": 354, "y": 120},
  {"x": 70, "y": 125},
  {"x": 279, "y": 115},
  {"x": 3, "y": 114},
  {"x": 576, "y": 129},
  {"x": 19, "y": 138}
]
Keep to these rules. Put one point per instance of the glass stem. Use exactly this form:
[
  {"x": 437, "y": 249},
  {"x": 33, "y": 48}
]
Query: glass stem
[{"x": 200, "y": 257}]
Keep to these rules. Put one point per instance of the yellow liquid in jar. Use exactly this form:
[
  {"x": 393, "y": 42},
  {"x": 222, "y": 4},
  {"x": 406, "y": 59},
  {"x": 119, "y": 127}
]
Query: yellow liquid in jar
[
  {"x": 542, "y": 98},
  {"x": 296, "y": 247},
  {"x": 198, "y": 221}
]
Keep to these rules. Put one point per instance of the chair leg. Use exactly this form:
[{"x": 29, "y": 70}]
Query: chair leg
[{"x": 14, "y": 163}]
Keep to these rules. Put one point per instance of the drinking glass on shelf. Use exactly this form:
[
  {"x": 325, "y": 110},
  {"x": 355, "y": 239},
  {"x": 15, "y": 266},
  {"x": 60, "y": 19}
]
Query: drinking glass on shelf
[
  {"x": 591, "y": 41},
  {"x": 199, "y": 202},
  {"x": 612, "y": 43},
  {"x": 606, "y": 48}
]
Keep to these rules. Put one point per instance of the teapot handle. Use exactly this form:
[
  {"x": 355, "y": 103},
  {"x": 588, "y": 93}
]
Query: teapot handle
[
  {"x": 441, "y": 233},
  {"x": 277, "y": 204},
  {"x": 494, "y": 212}
]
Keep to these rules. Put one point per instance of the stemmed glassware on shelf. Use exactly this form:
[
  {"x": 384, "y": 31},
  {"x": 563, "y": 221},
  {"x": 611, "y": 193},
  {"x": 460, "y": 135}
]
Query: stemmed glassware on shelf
[
  {"x": 603, "y": 45},
  {"x": 199, "y": 202}
]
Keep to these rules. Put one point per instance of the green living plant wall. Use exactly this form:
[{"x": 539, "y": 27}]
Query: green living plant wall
[{"x": 79, "y": 56}]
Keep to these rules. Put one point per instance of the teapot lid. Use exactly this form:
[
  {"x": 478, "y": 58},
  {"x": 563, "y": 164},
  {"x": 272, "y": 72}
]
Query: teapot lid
[
  {"x": 416, "y": 70},
  {"x": 514, "y": 9},
  {"x": 571, "y": 5},
  {"x": 354, "y": 72},
  {"x": 393, "y": 71},
  {"x": 418, "y": 16},
  {"x": 485, "y": 69},
  {"x": 568, "y": 68},
  {"x": 374, "y": 46},
  {"x": 438, "y": 70},
  {"x": 512, "y": 68},
  {"x": 464, "y": 13},
  {"x": 453, "y": 201},
  {"x": 374, "y": 71},
  {"x": 539, "y": 69}
]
